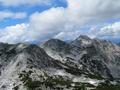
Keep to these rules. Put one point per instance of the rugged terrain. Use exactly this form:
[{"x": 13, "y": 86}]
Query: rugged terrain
[{"x": 83, "y": 64}]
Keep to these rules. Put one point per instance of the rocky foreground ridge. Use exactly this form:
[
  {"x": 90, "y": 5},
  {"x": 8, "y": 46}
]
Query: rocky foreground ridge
[{"x": 83, "y": 64}]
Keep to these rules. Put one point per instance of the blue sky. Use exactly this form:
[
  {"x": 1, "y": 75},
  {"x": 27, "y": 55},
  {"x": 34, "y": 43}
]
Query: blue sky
[
  {"x": 38, "y": 20},
  {"x": 29, "y": 10}
]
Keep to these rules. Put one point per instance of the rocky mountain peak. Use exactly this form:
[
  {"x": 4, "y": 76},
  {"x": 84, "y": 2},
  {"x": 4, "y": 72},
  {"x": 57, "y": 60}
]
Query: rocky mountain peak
[
  {"x": 83, "y": 62},
  {"x": 82, "y": 41},
  {"x": 18, "y": 61},
  {"x": 90, "y": 52},
  {"x": 54, "y": 43},
  {"x": 83, "y": 37}
]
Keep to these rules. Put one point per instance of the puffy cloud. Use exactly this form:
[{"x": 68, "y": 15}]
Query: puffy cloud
[
  {"x": 48, "y": 23},
  {"x": 8, "y": 14},
  {"x": 111, "y": 31},
  {"x": 62, "y": 22},
  {"x": 23, "y": 2},
  {"x": 96, "y": 9},
  {"x": 14, "y": 34},
  {"x": 56, "y": 21},
  {"x": 68, "y": 35}
]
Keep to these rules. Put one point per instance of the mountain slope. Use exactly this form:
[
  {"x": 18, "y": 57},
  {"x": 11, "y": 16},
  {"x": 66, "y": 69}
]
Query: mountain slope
[
  {"x": 18, "y": 59},
  {"x": 28, "y": 67},
  {"x": 99, "y": 56},
  {"x": 83, "y": 64}
]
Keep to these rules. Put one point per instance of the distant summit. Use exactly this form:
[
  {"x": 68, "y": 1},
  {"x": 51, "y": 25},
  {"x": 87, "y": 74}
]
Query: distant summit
[
  {"x": 82, "y": 41},
  {"x": 99, "y": 56},
  {"x": 83, "y": 37}
]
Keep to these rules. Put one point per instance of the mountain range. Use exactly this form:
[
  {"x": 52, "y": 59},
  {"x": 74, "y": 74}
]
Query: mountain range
[{"x": 82, "y": 64}]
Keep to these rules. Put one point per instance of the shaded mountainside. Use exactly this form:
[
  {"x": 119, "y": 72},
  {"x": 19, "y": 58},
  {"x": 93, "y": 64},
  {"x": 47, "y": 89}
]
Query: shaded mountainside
[
  {"x": 17, "y": 62},
  {"x": 99, "y": 56},
  {"x": 28, "y": 67},
  {"x": 83, "y": 64}
]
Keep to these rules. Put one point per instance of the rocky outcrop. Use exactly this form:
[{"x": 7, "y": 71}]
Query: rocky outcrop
[
  {"x": 99, "y": 56},
  {"x": 83, "y": 64}
]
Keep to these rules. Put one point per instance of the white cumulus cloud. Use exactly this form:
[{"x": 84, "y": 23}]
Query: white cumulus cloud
[
  {"x": 62, "y": 22},
  {"x": 110, "y": 31},
  {"x": 14, "y": 34},
  {"x": 56, "y": 21},
  {"x": 13, "y": 15}
]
